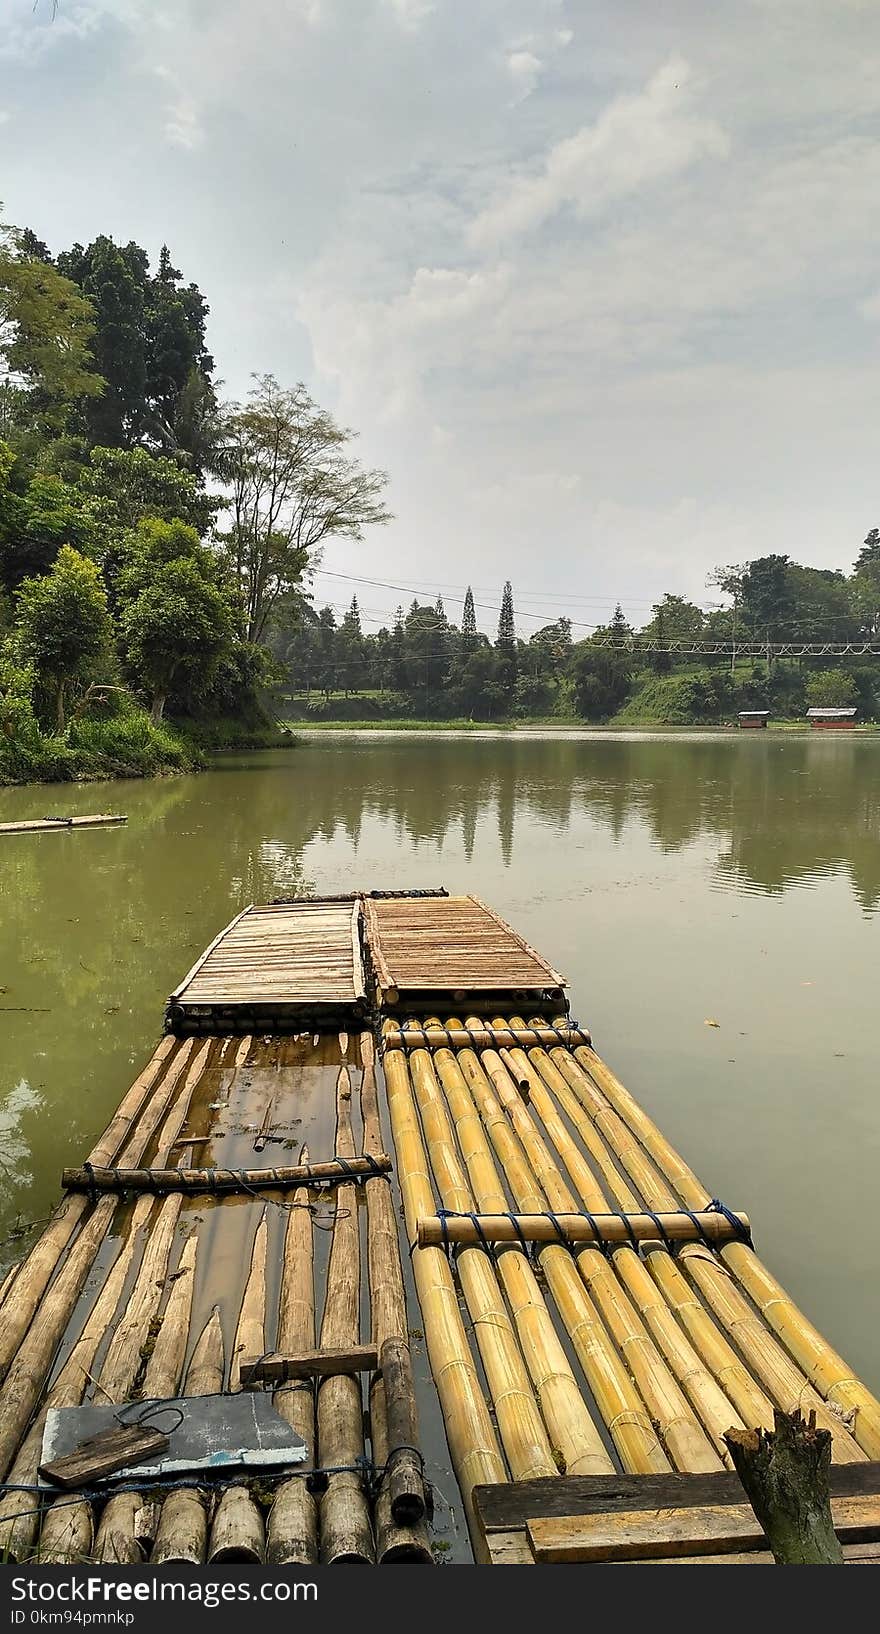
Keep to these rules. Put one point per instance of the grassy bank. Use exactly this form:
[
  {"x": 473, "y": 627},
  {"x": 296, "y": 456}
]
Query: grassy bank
[{"x": 553, "y": 723}]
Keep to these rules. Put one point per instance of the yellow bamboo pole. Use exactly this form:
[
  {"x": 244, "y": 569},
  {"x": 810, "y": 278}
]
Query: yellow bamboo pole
[
  {"x": 617, "y": 1398},
  {"x": 520, "y": 1426},
  {"x": 473, "y": 1445},
  {"x": 716, "y": 1407},
  {"x": 775, "y": 1367},
  {"x": 683, "y": 1435},
  {"x": 571, "y": 1429}
]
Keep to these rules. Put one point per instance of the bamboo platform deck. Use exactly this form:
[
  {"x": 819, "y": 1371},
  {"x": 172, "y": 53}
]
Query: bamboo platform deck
[
  {"x": 44, "y": 825},
  {"x": 454, "y": 948},
  {"x": 276, "y": 969},
  {"x": 594, "y": 1321}
]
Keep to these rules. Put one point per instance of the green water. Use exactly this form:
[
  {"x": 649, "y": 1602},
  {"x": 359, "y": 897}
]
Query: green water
[{"x": 674, "y": 881}]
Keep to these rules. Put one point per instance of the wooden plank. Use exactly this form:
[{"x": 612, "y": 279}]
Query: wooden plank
[
  {"x": 312, "y": 1364},
  {"x": 43, "y": 825},
  {"x": 654, "y": 1534},
  {"x": 103, "y": 1454},
  {"x": 508, "y": 1505}
]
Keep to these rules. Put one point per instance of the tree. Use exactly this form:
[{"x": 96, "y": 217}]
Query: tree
[
  {"x": 150, "y": 348},
  {"x": 831, "y": 689},
  {"x": 176, "y": 615},
  {"x": 47, "y": 330},
  {"x": 868, "y": 559},
  {"x": 768, "y": 599},
  {"x": 40, "y": 516},
  {"x": 64, "y": 626},
  {"x": 350, "y": 650},
  {"x": 506, "y": 638},
  {"x": 293, "y": 485},
  {"x": 138, "y": 484},
  {"x": 469, "y": 636}
]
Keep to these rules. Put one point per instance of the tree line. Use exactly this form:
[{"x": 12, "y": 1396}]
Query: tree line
[
  {"x": 424, "y": 664},
  {"x": 151, "y": 532}
]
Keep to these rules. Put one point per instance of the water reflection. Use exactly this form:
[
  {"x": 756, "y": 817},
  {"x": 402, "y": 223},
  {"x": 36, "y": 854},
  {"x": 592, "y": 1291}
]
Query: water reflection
[{"x": 98, "y": 926}]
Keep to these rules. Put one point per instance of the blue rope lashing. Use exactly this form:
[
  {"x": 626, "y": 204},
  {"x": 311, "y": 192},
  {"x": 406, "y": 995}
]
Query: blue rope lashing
[
  {"x": 742, "y": 1233},
  {"x": 661, "y": 1230},
  {"x": 442, "y": 1216},
  {"x": 565, "y": 1241},
  {"x": 518, "y": 1229},
  {"x": 633, "y": 1239}
]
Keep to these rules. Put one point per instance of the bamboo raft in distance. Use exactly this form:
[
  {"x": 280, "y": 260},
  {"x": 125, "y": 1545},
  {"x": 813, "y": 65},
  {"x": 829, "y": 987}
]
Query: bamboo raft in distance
[
  {"x": 586, "y": 1370},
  {"x": 43, "y": 825}
]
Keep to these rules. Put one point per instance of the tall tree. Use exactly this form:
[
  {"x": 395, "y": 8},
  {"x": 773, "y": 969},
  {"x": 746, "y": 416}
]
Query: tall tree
[
  {"x": 150, "y": 348},
  {"x": 293, "y": 484},
  {"x": 506, "y": 639},
  {"x": 469, "y": 635}
]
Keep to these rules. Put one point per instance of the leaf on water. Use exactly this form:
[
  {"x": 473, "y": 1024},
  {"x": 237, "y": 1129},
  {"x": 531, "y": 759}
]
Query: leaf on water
[{"x": 710, "y": 1023}]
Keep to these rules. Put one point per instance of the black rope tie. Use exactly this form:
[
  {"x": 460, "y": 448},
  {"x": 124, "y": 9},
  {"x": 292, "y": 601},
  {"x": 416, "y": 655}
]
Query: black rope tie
[
  {"x": 90, "y": 1175},
  {"x": 518, "y": 1229}
]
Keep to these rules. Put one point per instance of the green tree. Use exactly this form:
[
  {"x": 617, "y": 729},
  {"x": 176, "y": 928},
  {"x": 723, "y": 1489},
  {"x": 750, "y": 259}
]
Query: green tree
[
  {"x": 150, "y": 348},
  {"x": 831, "y": 689},
  {"x": 864, "y": 587},
  {"x": 768, "y": 604},
  {"x": 40, "y": 516},
  {"x": 176, "y": 613},
  {"x": 138, "y": 484},
  {"x": 64, "y": 626},
  {"x": 47, "y": 331},
  {"x": 350, "y": 651},
  {"x": 293, "y": 485}
]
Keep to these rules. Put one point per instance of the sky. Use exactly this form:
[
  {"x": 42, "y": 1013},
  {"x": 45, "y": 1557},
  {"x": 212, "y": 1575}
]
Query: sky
[{"x": 597, "y": 282}]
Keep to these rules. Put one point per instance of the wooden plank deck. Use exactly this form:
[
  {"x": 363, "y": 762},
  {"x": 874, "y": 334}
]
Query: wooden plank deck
[
  {"x": 276, "y": 967},
  {"x": 455, "y": 946},
  {"x": 657, "y": 1519}
]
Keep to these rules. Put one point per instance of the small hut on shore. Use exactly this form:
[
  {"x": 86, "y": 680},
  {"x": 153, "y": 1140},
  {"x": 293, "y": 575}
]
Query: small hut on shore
[
  {"x": 753, "y": 718},
  {"x": 838, "y": 719}
]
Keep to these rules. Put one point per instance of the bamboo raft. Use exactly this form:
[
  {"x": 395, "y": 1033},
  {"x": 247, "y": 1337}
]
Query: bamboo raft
[
  {"x": 43, "y": 825},
  {"x": 595, "y": 1321}
]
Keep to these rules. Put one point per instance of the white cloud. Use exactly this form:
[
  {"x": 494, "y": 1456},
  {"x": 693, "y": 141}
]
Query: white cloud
[
  {"x": 410, "y": 13},
  {"x": 636, "y": 141},
  {"x": 524, "y": 69}
]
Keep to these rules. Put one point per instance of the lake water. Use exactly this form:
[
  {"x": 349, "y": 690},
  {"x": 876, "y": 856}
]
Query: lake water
[{"x": 675, "y": 881}]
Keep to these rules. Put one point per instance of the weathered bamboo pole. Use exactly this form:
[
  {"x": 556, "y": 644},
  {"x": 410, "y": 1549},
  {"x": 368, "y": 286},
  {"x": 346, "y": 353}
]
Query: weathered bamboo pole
[
  {"x": 182, "y": 1531},
  {"x": 18, "y": 1525},
  {"x": 292, "y": 1527},
  {"x": 825, "y": 1369},
  {"x": 165, "y": 1365},
  {"x": 573, "y": 1435},
  {"x": 474, "y": 1226},
  {"x": 34, "y": 1357},
  {"x": 220, "y": 1180},
  {"x": 616, "y": 1396},
  {"x": 237, "y": 1533},
  {"x": 472, "y": 1442},
  {"x": 250, "y": 1332},
  {"x": 36, "y": 1270},
  {"x": 396, "y": 1542},
  {"x": 683, "y": 1436},
  {"x": 773, "y": 1367},
  {"x": 128, "y": 1521},
  {"x": 346, "y": 1532}
]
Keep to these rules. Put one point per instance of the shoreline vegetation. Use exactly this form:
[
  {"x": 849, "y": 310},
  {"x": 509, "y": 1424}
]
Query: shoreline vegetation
[{"x": 158, "y": 547}]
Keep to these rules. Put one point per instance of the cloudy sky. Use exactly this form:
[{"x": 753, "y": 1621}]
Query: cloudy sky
[{"x": 597, "y": 281}]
